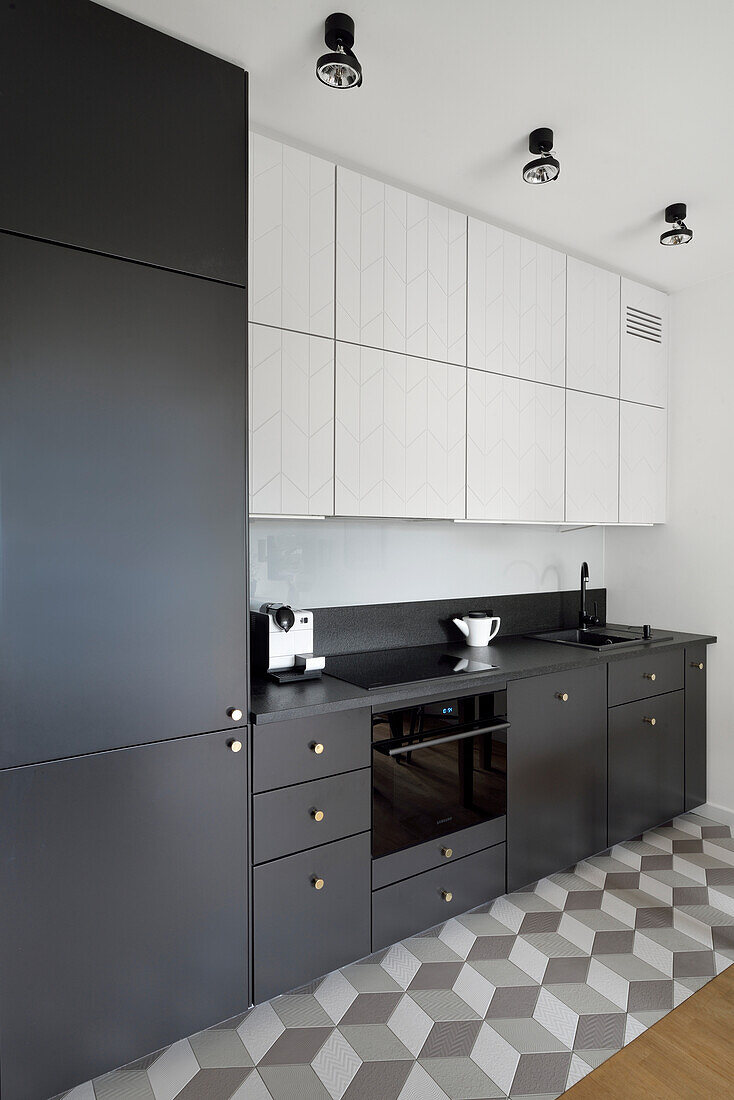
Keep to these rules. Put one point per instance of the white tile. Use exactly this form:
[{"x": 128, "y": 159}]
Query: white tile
[
  {"x": 474, "y": 988},
  {"x": 335, "y": 994},
  {"x": 401, "y": 965},
  {"x": 556, "y": 1017},
  {"x": 336, "y": 1065},
  {"x": 421, "y": 1086},
  {"x": 411, "y": 1024},
  {"x": 173, "y": 1070},
  {"x": 259, "y": 1030},
  {"x": 496, "y": 1057}
]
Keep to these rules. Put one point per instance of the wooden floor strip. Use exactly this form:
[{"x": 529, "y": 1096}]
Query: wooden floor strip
[{"x": 688, "y": 1055}]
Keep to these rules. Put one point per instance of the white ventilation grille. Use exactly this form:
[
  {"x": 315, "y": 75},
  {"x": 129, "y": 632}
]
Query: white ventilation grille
[{"x": 645, "y": 326}]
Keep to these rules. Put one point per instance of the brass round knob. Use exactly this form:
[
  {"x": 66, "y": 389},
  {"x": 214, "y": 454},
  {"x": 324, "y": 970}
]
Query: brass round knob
[
  {"x": 317, "y": 815},
  {"x": 698, "y": 665},
  {"x": 234, "y": 746},
  {"x": 447, "y": 853},
  {"x": 650, "y": 721},
  {"x": 447, "y": 895},
  {"x": 562, "y": 695},
  {"x": 649, "y": 675},
  {"x": 317, "y": 883},
  {"x": 235, "y": 714},
  {"x": 316, "y": 747}
]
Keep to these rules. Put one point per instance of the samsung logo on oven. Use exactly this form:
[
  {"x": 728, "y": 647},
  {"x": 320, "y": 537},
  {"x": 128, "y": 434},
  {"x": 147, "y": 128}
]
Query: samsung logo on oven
[{"x": 443, "y": 820}]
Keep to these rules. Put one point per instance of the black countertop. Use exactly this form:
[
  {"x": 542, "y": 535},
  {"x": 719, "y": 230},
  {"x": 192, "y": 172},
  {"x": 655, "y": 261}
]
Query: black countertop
[{"x": 516, "y": 658}]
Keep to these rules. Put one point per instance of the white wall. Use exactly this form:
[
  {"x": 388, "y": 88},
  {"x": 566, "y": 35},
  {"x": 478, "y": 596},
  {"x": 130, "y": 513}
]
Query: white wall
[
  {"x": 329, "y": 563},
  {"x": 680, "y": 575}
]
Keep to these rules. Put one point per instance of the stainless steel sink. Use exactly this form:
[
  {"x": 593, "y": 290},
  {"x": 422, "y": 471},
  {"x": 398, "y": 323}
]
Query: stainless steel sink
[{"x": 600, "y": 638}]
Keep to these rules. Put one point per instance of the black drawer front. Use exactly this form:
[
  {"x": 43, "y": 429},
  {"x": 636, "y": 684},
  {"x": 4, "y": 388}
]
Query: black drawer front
[
  {"x": 296, "y": 818},
  {"x": 642, "y": 677},
  {"x": 420, "y": 902},
  {"x": 287, "y": 752},
  {"x": 300, "y": 932},
  {"x": 645, "y": 765},
  {"x": 435, "y": 853}
]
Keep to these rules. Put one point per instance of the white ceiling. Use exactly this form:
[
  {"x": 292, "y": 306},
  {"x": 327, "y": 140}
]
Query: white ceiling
[{"x": 639, "y": 93}]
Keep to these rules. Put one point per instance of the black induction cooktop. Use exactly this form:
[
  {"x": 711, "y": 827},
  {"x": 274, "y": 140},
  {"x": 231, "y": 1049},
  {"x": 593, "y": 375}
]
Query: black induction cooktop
[{"x": 393, "y": 667}]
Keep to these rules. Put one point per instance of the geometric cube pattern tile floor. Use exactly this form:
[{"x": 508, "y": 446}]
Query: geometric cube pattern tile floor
[{"x": 520, "y": 998}]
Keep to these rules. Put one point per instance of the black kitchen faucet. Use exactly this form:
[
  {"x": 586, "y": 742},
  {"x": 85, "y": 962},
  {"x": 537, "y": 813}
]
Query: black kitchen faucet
[{"x": 584, "y": 618}]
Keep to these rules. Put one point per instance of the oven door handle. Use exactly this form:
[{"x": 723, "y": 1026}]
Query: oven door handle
[{"x": 416, "y": 747}]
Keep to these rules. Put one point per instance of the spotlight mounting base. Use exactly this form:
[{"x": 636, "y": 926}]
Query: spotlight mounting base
[
  {"x": 541, "y": 141},
  {"x": 339, "y": 30},
  {"x": 676, "y": 212}
]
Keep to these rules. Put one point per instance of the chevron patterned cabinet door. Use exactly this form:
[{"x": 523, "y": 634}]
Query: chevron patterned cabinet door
[
  {"x": 592, "y": 458},
  {"x": 515, "y": 449},
  {"x": 400, "y": 271},
  {"x": 292, "y": 196},
  {"x": 291, "y": 385},
  {"x": 400, "y": 435},
  {"x": 516, "y": 305},
  {"x": 592, "y": 334},
  {"x": 643, "y": 445},
  {"x": 644, "y": 354}
]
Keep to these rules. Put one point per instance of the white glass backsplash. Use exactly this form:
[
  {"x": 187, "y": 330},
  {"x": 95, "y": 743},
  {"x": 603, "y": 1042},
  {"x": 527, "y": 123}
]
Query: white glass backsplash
[{"x": 332, "y": 562}]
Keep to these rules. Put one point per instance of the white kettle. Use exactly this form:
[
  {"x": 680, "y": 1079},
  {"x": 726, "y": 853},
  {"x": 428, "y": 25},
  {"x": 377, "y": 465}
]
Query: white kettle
[{"x": 478, "y": 627}]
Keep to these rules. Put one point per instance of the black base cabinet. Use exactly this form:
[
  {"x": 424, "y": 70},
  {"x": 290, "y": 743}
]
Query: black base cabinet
[
  {"x": 646, "y": 763},
  {"x": 695, "y": 759},
  {"x": 311, "y": 914},
  {"x": 556, "y": 772},
  {"x": 123, "y": 917}
]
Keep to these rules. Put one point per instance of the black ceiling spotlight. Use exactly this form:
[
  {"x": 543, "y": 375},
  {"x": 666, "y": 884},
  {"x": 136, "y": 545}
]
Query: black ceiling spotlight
[
  {"x": 340, "y": 68},
  {"x": 545, "y": 167},
  {"x": 675, "y": 215}
]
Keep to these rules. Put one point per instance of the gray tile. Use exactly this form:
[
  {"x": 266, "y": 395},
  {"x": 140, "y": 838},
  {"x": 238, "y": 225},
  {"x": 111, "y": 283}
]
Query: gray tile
[
  {"x": 301, "y": 1010},
  {"x": 566, "y": 970},
  {"x": 293, "y": 1083},
  {"x": 219, "y": 1049},
  {"x": 541, "y": 1074},
  {"x": 213, "y": 1084},
  {"x": 461, "y": 1079},
  {"x": 370, "y": 978},
  {"x": 371, "y": 1008},
  {"x": 443, "y": 1004},
  {"x": 541, "y": 922},
  {"x": 451, "y": 1039},
  {"x": 613, "y": 943},
  {"x": 513, "y": 1001},
  {"x": 651, "y": 994},
  {"x": 693, "y": 964},
  {"x": 436, "y": 976},
  {"x": 527, "y": 1036},
  {"x": 124, "y": 1084},
  {"x": 491, "y": 947},
  {"x": 377, "y": 1081},
  {"x": 296, "y": 1045},
  {"x": 501, "y": 972},
  {"x": 430, "y": 949},
  {"x": 602, "y": 1029},
  {"x": 374, "y": 1042}
]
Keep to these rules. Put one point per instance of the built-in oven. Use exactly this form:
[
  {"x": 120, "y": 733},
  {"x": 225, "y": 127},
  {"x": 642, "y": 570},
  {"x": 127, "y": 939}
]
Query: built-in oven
[{"x": 436, "y": 768}]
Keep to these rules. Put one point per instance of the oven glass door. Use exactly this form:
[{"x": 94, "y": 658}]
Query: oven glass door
[{"x": 433, "y": 774}]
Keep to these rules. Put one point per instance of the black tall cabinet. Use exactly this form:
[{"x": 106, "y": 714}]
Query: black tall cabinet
[{"x": 123, "y": 648}]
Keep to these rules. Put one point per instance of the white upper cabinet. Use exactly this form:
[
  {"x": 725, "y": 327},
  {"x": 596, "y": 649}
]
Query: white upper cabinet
[
  {"x": 400, "y": 435},
  {"x": 592, "y": 332},
  {"x": 515, "y": 449},
  {"x": 592, "y": 458},
  {"x": 643, "y": 443},
  {"x": 291, "y": 392},
  {"x": 291, "y": 238},
  {"x": 401, "y": 271},
  {"x": 644, "y": 358},
  {"x": 516, "y": 305}
]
